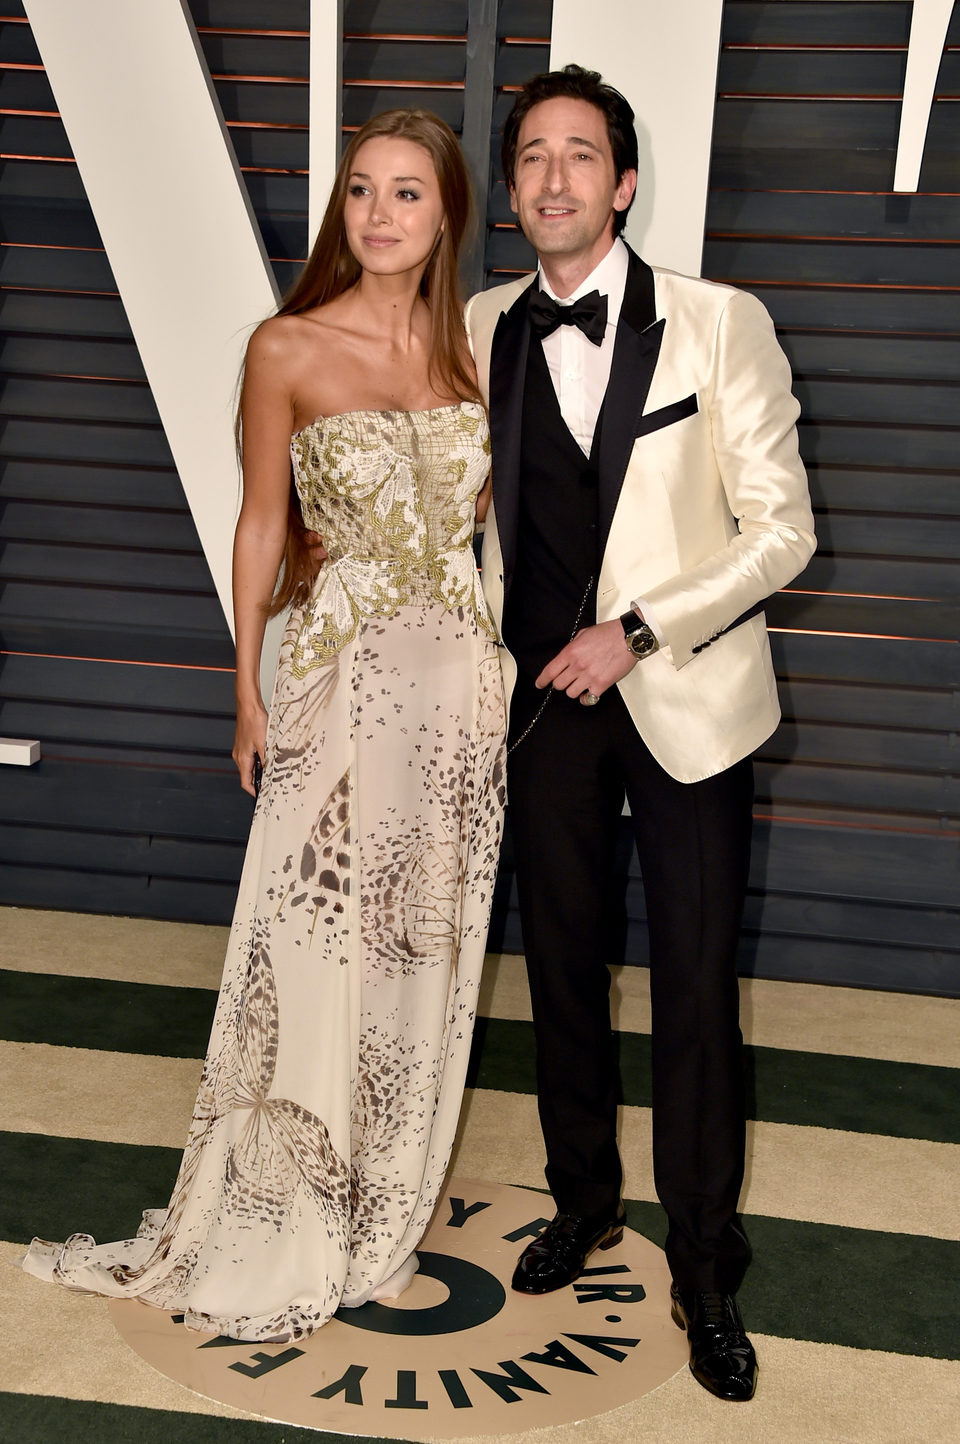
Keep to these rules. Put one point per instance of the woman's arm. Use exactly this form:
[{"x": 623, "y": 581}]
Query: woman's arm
[{"x": 266, "y": 412}]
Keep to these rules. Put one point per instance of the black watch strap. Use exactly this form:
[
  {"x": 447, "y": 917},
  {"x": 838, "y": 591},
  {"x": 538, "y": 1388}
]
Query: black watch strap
[{"x": 629, "y": 621}]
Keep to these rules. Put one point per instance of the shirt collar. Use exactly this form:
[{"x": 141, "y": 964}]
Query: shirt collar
[{"x": 609, "y": 277}]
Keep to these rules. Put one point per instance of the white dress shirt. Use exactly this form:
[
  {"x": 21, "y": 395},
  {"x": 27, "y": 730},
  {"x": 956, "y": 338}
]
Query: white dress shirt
[{"x": 580, "y": 370}]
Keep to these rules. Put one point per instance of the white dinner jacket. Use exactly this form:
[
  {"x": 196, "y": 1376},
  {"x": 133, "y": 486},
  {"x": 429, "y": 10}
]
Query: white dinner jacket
[{"x": 704, "y": 506}]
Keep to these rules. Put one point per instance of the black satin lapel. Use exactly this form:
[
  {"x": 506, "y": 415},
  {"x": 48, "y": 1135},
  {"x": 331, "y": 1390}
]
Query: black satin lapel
[
  {"x": 508, "y": 363},
  {"x": 635, "y": 354}
]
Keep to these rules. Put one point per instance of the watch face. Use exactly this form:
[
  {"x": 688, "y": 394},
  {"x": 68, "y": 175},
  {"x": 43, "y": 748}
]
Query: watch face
[{"x": 642, "y": 642}]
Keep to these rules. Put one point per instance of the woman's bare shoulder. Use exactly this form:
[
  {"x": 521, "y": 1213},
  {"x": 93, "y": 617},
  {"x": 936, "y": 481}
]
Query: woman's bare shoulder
[
  {"x": 277, "y": 338},
  {"x": 293, "y": 338}
]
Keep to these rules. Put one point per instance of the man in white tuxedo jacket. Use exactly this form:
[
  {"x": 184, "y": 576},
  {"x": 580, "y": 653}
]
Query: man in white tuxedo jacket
[{"x": 648, "y": 498}]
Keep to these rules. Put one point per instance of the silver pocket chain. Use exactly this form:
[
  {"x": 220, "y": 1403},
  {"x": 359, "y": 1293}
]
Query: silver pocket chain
[{"x": 550, "y": 690}]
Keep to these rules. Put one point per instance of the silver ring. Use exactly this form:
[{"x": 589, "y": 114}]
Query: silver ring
[{"x": 589, "y": 699}]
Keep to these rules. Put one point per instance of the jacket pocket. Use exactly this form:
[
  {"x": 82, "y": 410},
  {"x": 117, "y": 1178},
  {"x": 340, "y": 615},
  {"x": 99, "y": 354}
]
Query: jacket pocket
[{"x": 667, "y": 415}]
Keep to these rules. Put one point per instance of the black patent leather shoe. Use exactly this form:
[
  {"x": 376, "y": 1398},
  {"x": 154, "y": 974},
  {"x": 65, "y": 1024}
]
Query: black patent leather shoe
[
  {"x": 721, "y": 1356},
  {"x": 560, "y": 1254}
]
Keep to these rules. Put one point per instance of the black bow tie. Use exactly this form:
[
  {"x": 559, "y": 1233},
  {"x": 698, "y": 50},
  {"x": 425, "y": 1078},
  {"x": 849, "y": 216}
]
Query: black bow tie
[{"x": 589, "y": 313}]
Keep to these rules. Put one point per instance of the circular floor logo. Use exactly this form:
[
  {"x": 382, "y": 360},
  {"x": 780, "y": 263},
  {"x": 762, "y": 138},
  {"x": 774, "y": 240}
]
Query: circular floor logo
[{"x": 459, "y": 1353}]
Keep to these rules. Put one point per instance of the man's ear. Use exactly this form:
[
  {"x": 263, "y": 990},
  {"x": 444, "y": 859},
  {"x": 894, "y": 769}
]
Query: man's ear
[
  {"x": 513, "y": 199},
  {"x": 626, "y": 186}
]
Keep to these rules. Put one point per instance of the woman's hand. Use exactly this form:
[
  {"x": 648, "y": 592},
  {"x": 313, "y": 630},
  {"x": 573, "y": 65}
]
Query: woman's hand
[{"x": 249, "y": 739}]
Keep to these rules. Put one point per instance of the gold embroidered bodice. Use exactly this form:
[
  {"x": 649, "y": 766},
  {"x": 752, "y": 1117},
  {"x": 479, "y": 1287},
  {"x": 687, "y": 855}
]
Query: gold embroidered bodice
[{"x": 393, "y": 494}]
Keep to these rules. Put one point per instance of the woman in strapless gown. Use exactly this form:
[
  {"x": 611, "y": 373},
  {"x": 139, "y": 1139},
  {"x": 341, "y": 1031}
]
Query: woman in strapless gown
[{"x": 331, "y": 1090}]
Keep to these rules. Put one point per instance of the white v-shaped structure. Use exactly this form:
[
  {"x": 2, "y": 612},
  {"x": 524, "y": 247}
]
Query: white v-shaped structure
[
  {"x": 929, "y": 22},
  {"x": 160, "y": 173}
]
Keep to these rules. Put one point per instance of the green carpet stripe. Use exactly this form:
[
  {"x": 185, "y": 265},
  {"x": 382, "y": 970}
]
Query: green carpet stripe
[
  {"x": 855, "y": 1287},
  {"x": 824, "y": 1090},
  {"x": 859, "y": 1095},
  {"x": 893, "y": 1292},
  {"x": 39, "y": 1417},
  {"x": 100, "y": 1013}
]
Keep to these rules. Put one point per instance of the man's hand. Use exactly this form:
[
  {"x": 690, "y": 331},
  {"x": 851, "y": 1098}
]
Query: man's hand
[{"x": 597, "y": 658}]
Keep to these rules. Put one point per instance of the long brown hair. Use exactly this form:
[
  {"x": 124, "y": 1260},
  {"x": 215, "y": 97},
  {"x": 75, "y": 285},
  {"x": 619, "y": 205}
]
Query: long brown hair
[{"x": 332, "y": 269}]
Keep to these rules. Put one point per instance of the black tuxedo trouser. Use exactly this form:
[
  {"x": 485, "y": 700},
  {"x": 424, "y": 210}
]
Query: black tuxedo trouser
[{"x": 566, "y": 784}]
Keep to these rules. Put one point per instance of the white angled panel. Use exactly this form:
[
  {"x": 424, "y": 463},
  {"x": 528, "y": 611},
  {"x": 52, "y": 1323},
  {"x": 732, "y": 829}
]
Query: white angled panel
[
  {"x": 928, "y": 33},
  {"x": 162, "y": 180},
  {"x": 326, "y": 25},
  {"x": 663, "y": 57}
]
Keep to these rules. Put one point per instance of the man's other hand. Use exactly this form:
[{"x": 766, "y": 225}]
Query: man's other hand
[{"x": 317, "y": 552}]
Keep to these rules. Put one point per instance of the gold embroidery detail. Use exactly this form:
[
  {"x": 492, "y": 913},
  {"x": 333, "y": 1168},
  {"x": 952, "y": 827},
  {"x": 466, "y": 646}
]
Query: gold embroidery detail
[{"x": 393, "y": 495}]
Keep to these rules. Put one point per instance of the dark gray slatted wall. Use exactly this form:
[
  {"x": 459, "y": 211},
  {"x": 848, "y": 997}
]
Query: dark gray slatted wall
[
  {"x": 113, "y": 649},
  {"x": 523, "y": 51},
  {"x": 857, "y": 793},
  {"x": 258, "y": 54}
]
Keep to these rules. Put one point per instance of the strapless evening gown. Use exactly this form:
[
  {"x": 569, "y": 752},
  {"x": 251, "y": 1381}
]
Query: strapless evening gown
[{"x": 331, "y": 1089}]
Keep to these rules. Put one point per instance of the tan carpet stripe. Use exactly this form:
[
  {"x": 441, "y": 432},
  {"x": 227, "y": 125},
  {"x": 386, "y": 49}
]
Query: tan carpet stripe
[
  {"x": 805, "y": 1395},
  {"x": 901, "y": 1027},
  {"x": 816, "y": 1174}
]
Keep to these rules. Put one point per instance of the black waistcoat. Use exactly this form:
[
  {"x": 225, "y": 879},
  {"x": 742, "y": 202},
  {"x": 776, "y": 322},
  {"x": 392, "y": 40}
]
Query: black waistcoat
[{"x": 557, "y": 562}]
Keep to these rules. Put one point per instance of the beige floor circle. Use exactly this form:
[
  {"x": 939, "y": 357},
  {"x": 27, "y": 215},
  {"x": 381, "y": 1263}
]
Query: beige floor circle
[{"x": 459, "y": 1353}]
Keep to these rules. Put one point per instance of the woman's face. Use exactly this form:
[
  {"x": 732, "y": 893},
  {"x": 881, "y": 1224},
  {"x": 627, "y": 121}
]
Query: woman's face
[{"x": 393, "y": 213}]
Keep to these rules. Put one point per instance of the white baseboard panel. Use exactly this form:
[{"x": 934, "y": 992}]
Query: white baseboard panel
[{"x": 19, "y": 751}]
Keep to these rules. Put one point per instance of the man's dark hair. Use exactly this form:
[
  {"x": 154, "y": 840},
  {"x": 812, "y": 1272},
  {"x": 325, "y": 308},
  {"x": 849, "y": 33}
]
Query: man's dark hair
[{"x": 573, "y": 82}]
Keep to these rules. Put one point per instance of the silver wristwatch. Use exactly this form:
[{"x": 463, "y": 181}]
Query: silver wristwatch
[{"x": 638, "y": 636}]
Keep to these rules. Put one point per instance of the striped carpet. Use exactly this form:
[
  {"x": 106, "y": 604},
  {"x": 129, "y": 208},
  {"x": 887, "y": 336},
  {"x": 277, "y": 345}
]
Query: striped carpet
[{"x": 851, "y": 1198}]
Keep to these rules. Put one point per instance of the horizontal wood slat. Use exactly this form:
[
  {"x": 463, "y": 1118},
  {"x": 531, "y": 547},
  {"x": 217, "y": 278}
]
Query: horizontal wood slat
[
  {"x": 127, "y": 688},
  {"x": 92, "y": 526},
  {"x": 842, "y": 22},
  {"x": 860, "y": 703},
  {"x": 250, "y": 14},
  {"x": 919, "y": 800},
  {"x": 146, "y": 568},
  {"x": 68, "y": 399},
  {"x": 881, "y": 217},
  {"x": 890, "y": 535},
  {"x": 873, "y": 309},
  {"x": 79, "y": 640},
  {"x": 54, "y": 438},
  {"x": 904, "y": 358},
  {"x": 856, "y": 262},
  {"x": 97, "y": 734},
  {"x": 110, "y": 602},
  {"x": 157, "y": 489},
  {"x": 102, "y": 317},
  {"x": 62, "y": 355},
  {"x": 883, "y": 577}
]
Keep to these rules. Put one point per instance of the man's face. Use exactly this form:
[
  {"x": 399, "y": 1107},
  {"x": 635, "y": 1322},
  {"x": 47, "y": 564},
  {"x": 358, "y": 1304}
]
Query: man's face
[{"x": 565, "y": 189}]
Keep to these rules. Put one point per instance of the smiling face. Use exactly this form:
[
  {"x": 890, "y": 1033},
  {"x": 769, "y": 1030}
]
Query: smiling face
[
  {"x": 565, "y": 189},
  {"x": 393, "y": 212}
]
